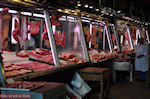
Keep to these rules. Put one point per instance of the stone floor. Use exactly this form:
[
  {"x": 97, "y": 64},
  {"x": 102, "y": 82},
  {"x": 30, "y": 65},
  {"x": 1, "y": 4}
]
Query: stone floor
[{"x": 126, "y": 90}]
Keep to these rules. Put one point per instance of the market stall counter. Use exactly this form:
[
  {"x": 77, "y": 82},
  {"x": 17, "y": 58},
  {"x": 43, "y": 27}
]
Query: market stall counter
[
  {"x": 97, "y": 74},
  {"x": 39, "y": 90}
]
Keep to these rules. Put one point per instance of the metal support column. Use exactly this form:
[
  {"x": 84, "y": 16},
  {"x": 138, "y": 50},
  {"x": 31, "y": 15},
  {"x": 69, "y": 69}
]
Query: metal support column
[
  {"x": 51, "y": 38},
  {"x": 128, "y": 31},
  {"x": 117, "y": 38},
  {"x": 83, "y": 43},
  {"x": 108, "y": 38}
]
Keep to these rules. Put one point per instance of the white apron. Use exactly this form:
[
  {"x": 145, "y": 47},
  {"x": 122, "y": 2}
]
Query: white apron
[{"x": 141, "y": 64}]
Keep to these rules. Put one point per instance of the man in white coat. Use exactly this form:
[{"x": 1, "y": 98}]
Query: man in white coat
[{"x": 141, "y": 59}]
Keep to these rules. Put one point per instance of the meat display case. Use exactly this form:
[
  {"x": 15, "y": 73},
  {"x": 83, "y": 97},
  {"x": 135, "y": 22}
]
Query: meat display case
[
  {"x": 69, "y": 40},
  {"x": 125, "y": 38},
  {"x": 98, "y": 39},
  {"x": 30, "y": 45},
  {"x": 138, "y": 32}
]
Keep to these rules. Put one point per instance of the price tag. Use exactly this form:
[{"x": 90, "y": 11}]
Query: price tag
[{"x": 10, "y": 80}]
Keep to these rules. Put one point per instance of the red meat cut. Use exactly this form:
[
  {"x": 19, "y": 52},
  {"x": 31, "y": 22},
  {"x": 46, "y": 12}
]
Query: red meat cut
[
  {"x": 17, "y": 31},
  {"x": 34, "y": 27}
]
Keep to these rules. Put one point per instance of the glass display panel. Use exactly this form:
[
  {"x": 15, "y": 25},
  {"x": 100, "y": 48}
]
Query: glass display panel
[
  {"x": 97, "y": 40},
  {"x": 124, "y": 38},
  {"x": 24, "y": 53}
]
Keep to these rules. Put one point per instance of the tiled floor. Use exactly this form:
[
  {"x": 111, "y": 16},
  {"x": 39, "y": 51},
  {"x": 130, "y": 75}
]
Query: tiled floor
[{"x": 127, "y": 90}]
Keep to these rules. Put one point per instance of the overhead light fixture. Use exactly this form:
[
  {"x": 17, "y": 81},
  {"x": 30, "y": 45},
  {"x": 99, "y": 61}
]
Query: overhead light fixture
[
  {"x": 119, "y": 11},
  {"x": 88, "y": 16},
  {"x": 91, "y": 7},
  {"x": 79, "y": 5},
  {"x": 86, "y": 6},
  {"x": 26, "y": 13},
  {"x": 107, "y": 13},
  {"x": 111, "y": 14},
  {"x": 96, "y": 9},
  {"x": 60, "y": 10},
  {"x": 75, "y": 13},
  {"x": 102, "y": 11},
  {"x": 78, "y": 2}
]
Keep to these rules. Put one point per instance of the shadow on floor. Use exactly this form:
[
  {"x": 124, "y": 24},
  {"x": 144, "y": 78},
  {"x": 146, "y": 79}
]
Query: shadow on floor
[{"x": 125, "y": 90}]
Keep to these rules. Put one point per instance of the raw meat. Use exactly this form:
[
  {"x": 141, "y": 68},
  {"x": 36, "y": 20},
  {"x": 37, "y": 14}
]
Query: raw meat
[
  {"x": 37, "y": 66},
  {"x": 88, "y": 36},
  {"x": 24, "y": 85},
  {"x": 17, "y": 31},
  {"x": 123, "y": 57},
  {"x": 100, "y": 33},
  {"x": 44, "y": 34},
  {"x": 54, "y": 20},
  {"x": 42, "y": 51},
  {"x": 34, "y": 27},
  {"x": 94, "y": 29},
  {"x": 63, "y": 39},
  {"x": 133, "y": 32},
  {"x": 75, "y": 40},
  {"x": 5, "y": 19},
  {"x": 59, "y": 38},
  {"x": 22, "y": 54},
  {"x": 68, "y": 55},
  {"x": 114, "y": 39}
]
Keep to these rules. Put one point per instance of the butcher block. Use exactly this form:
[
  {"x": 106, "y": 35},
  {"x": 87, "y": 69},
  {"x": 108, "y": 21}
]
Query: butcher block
[{"x": 50, "y": 90}]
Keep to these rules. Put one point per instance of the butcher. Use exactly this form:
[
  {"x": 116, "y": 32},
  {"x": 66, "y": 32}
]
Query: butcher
[{"x": 141, "y": 59}]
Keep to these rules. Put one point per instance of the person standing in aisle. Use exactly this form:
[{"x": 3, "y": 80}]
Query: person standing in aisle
[{"x": 141, "y": 59}]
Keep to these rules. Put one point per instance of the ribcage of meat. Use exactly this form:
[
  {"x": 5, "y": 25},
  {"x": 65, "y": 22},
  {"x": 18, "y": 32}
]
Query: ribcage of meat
[{"x": 24, "y": 85}]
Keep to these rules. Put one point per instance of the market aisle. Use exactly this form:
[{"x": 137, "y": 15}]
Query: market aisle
[{"x": 126, "y": 90}]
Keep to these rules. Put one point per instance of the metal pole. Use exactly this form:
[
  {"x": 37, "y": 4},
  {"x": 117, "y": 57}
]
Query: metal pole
[
  {"x": 108, "y": 38},
  {"x": 51, "y": 38},
  {"x": 83, "y": 43},
  {"x": 104, "y": 38},
  {"x": 117, "y": 39},
  {"x": 147, "y": 36},
  {"x": 41, "y": 28},
  {"x": 131, "y": 43}
]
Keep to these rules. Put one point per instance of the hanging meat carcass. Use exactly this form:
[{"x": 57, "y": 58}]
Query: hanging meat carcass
[
  {"x": 45, "y": 37},
  {"x": 5, "y": 19},
  {"x": 100, "y": 33},
  {"x": 17, "y": 31},
  {"x": 133, "y": 32},
  {"x": 54, "y": 20},
  {"x": 34, "y": 27},
  {"x": 63, "y": 39},
  {"x": 94, "y": 29},
  {"x": 58, "y": 36},
  {"x": 114, "y": 39}
]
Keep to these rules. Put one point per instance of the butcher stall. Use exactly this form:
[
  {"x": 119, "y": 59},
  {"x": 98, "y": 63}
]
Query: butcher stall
[{"x": 123, "y": 60}]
